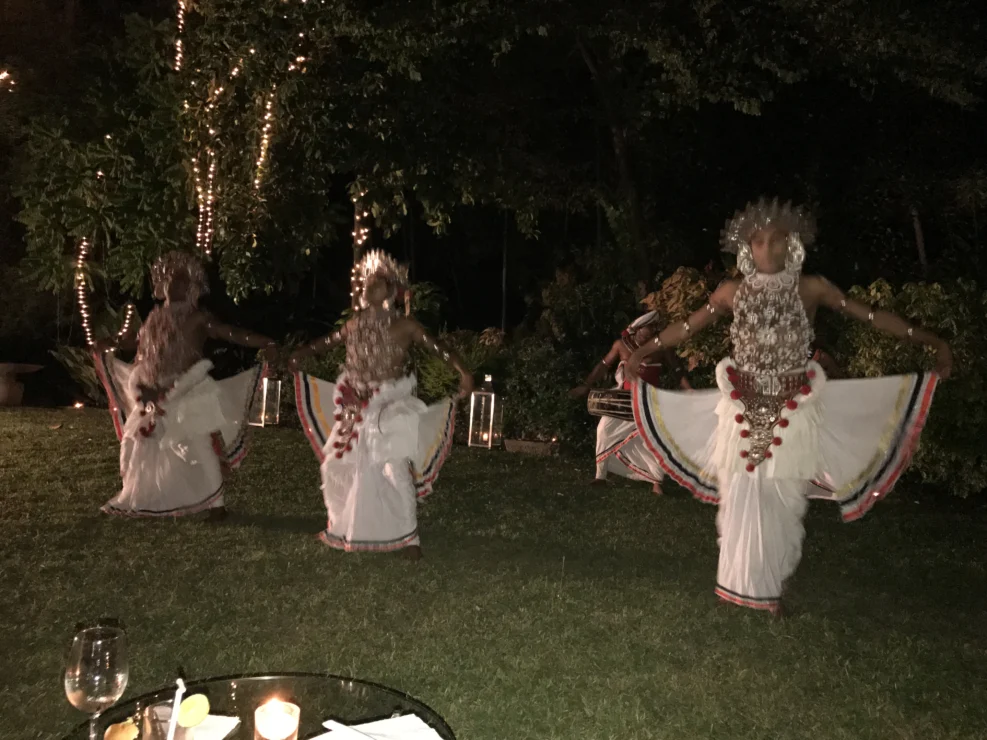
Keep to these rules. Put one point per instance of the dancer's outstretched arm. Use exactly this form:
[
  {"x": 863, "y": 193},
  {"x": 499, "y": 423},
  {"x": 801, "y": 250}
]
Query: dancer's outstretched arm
[
  {"x": 416, "y": 333},
  {"x": 827, "y": 294},
  {"x": 317, "y": 347},
  {"x": 720, "y": 304},
  {"x": 596, "y": 374},
  {"x": 216, "y": 329}
]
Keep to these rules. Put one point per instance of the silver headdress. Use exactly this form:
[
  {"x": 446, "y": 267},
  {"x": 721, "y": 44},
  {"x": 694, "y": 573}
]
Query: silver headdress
[
  {"x": 175, "y": 262},
  {"x": 796, "y": 220},
  {"x": 376, "y": 263}
]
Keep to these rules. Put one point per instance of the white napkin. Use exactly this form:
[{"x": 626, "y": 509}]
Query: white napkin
[
  {"x": 407, "y": 727},
  {"x": 213, "y": 727}
]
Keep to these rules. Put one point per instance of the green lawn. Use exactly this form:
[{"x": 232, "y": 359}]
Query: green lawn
[{"x": 544, "y": 608}]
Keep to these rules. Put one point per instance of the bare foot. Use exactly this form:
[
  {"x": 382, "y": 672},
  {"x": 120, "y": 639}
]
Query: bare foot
[
  {"x": 656, "y": 490},
  {"x": 777, "y": 612},
  {"x": 412, "y": 553},
  {"x": 219, "y": 514}
]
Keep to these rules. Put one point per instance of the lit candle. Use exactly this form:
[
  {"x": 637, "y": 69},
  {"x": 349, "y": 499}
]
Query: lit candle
[{"x": 276, "y": 720}]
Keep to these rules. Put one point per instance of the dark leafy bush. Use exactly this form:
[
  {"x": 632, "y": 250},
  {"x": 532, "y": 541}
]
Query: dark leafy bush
[{"x": 952, "y": 453}]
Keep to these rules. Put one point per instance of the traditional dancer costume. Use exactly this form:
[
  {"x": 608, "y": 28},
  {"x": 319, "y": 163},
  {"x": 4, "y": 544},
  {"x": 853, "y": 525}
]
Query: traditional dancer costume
[
  {"x": 180, "y": 431},
  {"x": 619, "y": 448},
  {"x": 379, "y": 446},
  {"x": 776, "y": 432}
]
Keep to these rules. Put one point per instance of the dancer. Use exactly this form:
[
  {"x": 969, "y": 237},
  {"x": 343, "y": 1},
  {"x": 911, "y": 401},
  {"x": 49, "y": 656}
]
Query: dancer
[
  {"x": 380, "y": 448},
  {"x": 180, "y": 431},
  {"x": 618, "y": 447},
  {"x": 776, "y": 432}
]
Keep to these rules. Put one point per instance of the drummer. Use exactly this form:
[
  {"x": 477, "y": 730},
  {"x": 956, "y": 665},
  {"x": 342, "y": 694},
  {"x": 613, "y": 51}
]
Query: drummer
[{"x": 618, "y": 448}]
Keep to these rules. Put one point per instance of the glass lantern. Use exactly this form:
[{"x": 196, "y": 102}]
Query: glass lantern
[
  {"x": 486, "y": 417},
  {"x": 266, "y": 409}
]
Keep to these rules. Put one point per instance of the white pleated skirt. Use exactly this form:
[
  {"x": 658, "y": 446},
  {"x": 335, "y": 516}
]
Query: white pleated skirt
[
  {"x": 846, "y": 441},
  {"x": 174, "y": 455},
  {"x": 371, "y": 482}
]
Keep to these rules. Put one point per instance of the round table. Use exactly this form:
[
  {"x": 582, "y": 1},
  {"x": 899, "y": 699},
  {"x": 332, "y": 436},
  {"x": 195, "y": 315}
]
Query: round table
[
  {"x": 319, "y": 696},
  {"x": 11, "y": 391}
]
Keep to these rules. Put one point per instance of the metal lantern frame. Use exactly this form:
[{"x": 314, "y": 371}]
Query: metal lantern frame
[
  {"x": 268, "y": 411},
  {"x": 486, "y": 428}
]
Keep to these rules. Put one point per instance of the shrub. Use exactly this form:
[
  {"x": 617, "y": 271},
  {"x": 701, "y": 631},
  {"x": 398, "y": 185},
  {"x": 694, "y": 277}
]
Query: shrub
[
  {"x": 952, "y": 451},
  {"x": 536, "y": 405}
]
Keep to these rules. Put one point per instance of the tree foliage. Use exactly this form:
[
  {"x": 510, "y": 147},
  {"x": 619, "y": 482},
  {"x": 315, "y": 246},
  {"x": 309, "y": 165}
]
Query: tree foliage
[{"x": 530, "y": 107}]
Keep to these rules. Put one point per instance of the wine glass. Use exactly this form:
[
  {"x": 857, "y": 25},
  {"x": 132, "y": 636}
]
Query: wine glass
[{"x": 96, "y": 671}]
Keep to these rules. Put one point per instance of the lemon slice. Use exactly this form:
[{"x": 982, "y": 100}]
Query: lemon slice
[
  {"x": 122, "y": 731},
  {"x": 194, "y": 710}
]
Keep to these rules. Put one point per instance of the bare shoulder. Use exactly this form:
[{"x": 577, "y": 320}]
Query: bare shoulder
[
  {"x": 406, "y": 326},
  {"x": 813, "y": 283},
  {"x": 817, "y": 287}
]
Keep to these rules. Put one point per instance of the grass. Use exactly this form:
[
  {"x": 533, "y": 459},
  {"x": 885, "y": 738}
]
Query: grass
[{"x": 544, "y": 608}]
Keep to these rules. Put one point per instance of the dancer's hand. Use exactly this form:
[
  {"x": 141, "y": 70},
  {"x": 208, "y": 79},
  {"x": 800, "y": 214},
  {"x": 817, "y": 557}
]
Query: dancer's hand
[
  {"x": 579, "y": 391},
  {"x": 632, "y": 368},
  {"x": 944, "y": 361}
]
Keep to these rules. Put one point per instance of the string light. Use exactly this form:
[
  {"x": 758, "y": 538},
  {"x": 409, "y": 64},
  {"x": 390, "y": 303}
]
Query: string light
[
  {"x": 127, "y": 318},
  {"x": 179, "y": 51},
  {"x": 360, "y": 235},
  {"x": 82, "y": 254},
  {"x": 206, "y": 198},
  {"x": 265, "y": 137}
]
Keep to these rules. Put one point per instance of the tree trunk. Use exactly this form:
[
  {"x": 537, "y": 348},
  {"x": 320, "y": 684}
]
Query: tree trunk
[
  {"x": 920, "y": 242},
  {"x": 503, "y": 278},
  {"x": 69, "y": 12},
  {"x": 618, "y": 140}
]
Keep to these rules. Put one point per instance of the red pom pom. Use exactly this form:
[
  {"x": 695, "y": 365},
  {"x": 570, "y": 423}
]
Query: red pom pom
[
  {"x": 805, "y": 390},
  {"x": 750, "y": 467},
  {"x": 359, "y": 418},
  {"x": 745, "y": 433},
  {"x": 339, "y": 455},
  {"x": 769, "y": 453},
  {"x": 731, "y": 370},
  {"x": 783, "y": 423},
  {"x": 734, "y": 395},
  {"x": 338, "y": 401},
  {"x": 792, "y": 405},
  {"x": 366, "y": 403},
  {"x": 338, "y": 417},
  {"x": 349, "y": 448},
  {"x": 776, "y": 441},
  {"x": 744, "y": 453},
  {"x": 355, "y": 435},
  {"x": 739, "y": 418},
  {"x": 811, "y": 374}
]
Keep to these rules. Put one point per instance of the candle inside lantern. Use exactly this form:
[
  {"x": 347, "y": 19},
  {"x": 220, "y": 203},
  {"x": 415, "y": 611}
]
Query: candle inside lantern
[{"x": 276, "y": 720}]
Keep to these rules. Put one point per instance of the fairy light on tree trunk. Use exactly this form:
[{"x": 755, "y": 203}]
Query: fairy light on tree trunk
[
  {"x": 210, "y": 202},
  {"x": 82, "y": 254},
  {"x": 179, "y": 51},
  {"x": 127, "y": 320},
  {"x": 361, "y": 233},
  {"x": 265, "y": 137}
]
